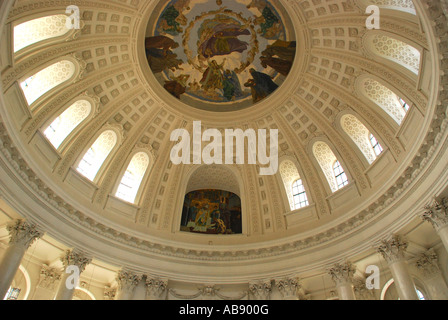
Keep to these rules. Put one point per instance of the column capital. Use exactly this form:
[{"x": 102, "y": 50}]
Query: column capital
[
  {"x": 361, "y": 290},
  {"x": 23, "y": 233},
  {"x": 393, "y": 249},
  {"x": 289, "y": 286},
  {"x": 127, "y": 280},
  {"x": 342, "y": 273},
  {"x": 436, "y": 213},
  {"x": 109, "y": 293},
  {"x": 155, "y": 286},
  {"x": 261, "y": 290},
  {"x": 48, "y": 277},
  {"x": 427, "y": 264},
  {"x": 75, "y": 258}
]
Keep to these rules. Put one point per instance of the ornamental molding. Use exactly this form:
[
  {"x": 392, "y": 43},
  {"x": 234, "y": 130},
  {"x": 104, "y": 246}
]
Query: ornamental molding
[
  {"x": 421, "y": 161},
  {"x": 261, "y": 290},
  {"x": 288, "y": 287},
  {"x": 427, "y": 264},
  {"x": 127, "y": 280},
  {"x": 49, "y": 277}
]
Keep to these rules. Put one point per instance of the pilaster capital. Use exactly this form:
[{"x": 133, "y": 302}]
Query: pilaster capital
[
  {"x": 342, "y": 273},
  {"x": 261, "y": 290},
  {"x": 393, "y": 249},
  {"x": 436, "y": 213},
  {"x": 127, "y": 280},
  {"x": 427, "y": 264},
  {"x": 75, "y": 258},
  {"x": 109, "y": 293},
  {"x": 288, "y": 287},
  {"x": 23, "y": 233},
  {"x": 156, "y": 286}
]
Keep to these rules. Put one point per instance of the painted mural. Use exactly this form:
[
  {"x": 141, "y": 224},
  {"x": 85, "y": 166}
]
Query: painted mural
[
  {"x": 211, "y": 212},
  {"x": 220, "y": 51}
]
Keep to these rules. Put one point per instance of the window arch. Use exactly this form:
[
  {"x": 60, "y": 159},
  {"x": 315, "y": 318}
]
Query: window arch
[
  {"x": 402, "y": 5},
  {"x": 133, "y": 176},
  {"x": 394, "y": 50},
  {"x": 385, "y": 98},
  {"x": 40, "y": 29},
  {"x": 329, "y": 163},
  {"x": 64, "y": 124},
  {"x": 45, "y": 80},
  {"x": 293, "y": 183},
  {"x": 95, "y": 156},
  {"x": 361, "y": 136}
]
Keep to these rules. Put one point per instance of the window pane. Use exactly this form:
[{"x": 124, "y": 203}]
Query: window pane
[
  {"x": 130, "y": 183},
  {"x": 299, "y": 195}
]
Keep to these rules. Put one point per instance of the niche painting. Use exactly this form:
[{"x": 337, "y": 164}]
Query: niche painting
[{"x": 211, "y": 212}]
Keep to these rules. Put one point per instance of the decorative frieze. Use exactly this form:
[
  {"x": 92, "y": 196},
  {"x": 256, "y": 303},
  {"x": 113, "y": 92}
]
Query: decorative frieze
[{"x": 23, "y": 233}]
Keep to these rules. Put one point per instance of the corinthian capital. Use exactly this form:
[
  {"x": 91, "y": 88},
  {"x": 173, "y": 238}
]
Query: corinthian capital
[
  {"x": 261, "y": 290},
  {"x": 436, "y": 213},
  {"x": 23, "y": 233},
  {"x": 127, "y": 280},
  {"x": 393, "y": 249},
  {"x": 156, "y": 286},
  {"x": 427, "y": 263},
  {"x": 342, "y": 273},
  {"x": 288, "y": 287},
  {"x": 74, "y": 258}
]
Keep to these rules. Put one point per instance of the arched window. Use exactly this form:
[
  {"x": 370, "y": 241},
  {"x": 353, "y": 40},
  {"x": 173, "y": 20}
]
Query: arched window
[
  {"x": 385, "y": 98},
  {"x": 376, "y": 147},
  {"x": 63, "y": 125},
  {"x": 299, "y": 195},
  {"x": 94, "y": 158},
  {"x": 395, "y": 50},
  {"x": 294, "y": 187},
  {"x": 132, "y": 178},
  {"x": 330, "y": 165},
  {"x": 362, "y": 137},
  {"x": 45, "y": 80},
  {"x": 339, "y": 174},
  {"x": 33, "y": 31}
]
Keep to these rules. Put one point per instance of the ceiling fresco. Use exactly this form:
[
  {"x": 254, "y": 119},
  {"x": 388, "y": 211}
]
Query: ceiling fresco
[{"x": 217, "y": 53}]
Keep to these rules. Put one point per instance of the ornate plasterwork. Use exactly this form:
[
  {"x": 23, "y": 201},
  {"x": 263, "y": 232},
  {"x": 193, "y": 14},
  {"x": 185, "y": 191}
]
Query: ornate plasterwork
[
  {"x": 76, "y": 258},
  {"x": 23, "y": 233},
  {"x": 342, "y": 273},
  {"x": 426, "y": 152},
  {"x": 289, "y": 287},
  {"x": 393, "y": 249},
  {"x": 49, "y": 277},
  {"x": 261, "y": 290},
  {"x": 436, "y": 213},
  {"x": 427, "y": 264},
  {"x": 156, "y": 287},
  {"x": 127, "y": 280}
]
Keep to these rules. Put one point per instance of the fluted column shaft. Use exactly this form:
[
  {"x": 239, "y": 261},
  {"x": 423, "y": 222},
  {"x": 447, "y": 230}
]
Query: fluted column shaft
[
  {"x": 342, "y": 275},
  {"x": 70, "y": 258},
  {"x": 22, "y": 235},
  {"x": 393, "y": 252}
]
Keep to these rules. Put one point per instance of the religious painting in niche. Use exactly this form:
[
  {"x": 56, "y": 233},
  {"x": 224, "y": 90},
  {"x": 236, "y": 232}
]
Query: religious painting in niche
[
  {"x": 220, "y": 51},
  {"x": 211, "y": 212}
]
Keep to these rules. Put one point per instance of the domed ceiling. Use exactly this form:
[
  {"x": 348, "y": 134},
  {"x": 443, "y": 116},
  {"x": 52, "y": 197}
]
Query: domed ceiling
[
  {"x": 229, "y": 54},
  {"x": 363, "y": 103}
]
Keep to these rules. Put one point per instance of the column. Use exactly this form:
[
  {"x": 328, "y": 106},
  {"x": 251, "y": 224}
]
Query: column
[
  {"x": 126, "y": 284},
  {"x": 261, "y": 290},
  {"x": 289, "y": 288},
  {"x": 48, "y": 281},
  {"x": 437, "y": 214},
  {"x": 109, "y": 293},
  {"x": 156, "y": 288},
  {"x": 393, "y": 251},
  {"x": 22, "y": 235},
  {"x": 427, "y": 264},
  {"x": 71, "y": 258},
  {"x": 361, "y": 290},
  {"x": 140, "y": 289},
  {"x": 342, "y": 274}
]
